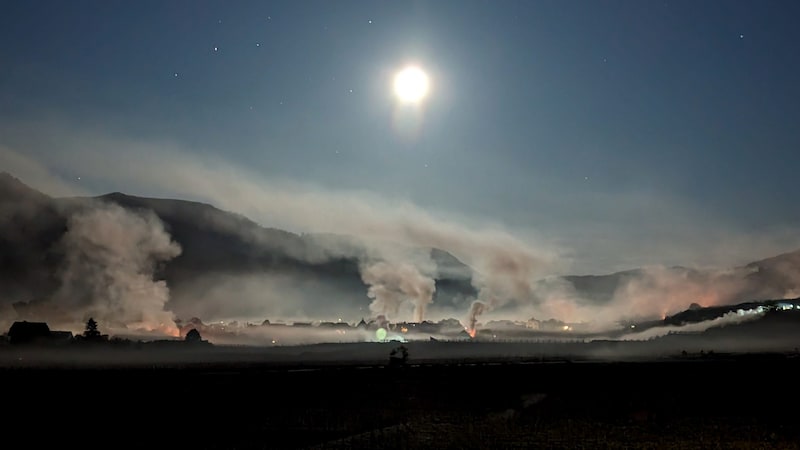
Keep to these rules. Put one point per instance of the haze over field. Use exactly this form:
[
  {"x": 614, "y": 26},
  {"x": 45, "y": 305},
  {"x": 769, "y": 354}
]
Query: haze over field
[{"x": 588, "y": 164}]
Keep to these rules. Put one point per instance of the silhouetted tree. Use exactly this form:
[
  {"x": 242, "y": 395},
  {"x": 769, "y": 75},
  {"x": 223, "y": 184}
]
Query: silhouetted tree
[
  {"x": 193, "y": 336},
  {"x": 91, "y": 332}
]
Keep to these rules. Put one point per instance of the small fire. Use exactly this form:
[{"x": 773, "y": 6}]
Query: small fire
[
  {"x": 170, "y": 329},
  {"x": 475, "y": 310},
  {"x": 167, "y": 329}
]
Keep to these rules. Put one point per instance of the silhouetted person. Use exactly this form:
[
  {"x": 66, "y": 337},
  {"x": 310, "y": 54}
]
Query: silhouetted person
[{"x": 398, "y": 356}]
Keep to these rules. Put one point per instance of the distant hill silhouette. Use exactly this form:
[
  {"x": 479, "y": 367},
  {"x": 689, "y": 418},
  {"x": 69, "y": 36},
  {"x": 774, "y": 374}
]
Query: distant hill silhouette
[
  {"x": 217, "y": 242},
  {"x": 213, "y": 242},
  {"x": 770, "y": 278},
  {"x": 30, "y": 224}
]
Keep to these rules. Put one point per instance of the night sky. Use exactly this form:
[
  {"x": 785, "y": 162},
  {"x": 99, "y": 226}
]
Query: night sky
[{"x": 620, "y": 132}]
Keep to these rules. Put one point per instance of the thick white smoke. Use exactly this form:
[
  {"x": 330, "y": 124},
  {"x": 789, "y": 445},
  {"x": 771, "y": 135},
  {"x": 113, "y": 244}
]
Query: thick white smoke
[
  {"x": 650, "y": 293},
  {"x": 660, "y": 291},
  {"x": 507, "y": 274},
  {"x": 729, "y": 318},
  {"x": 507, "y": 268},
  {"x": 111, "y": 256},
  {"x": 393, "y": 284}
]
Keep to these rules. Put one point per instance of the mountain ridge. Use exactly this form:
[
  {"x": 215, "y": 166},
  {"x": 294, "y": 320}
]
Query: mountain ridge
[
  {"x": 214, "y": 244},
  {"x": 229, "y": 255}
]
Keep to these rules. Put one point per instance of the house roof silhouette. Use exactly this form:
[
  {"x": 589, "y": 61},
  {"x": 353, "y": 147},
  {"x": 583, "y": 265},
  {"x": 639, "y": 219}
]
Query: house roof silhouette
[{"x": 24, "y": 332}]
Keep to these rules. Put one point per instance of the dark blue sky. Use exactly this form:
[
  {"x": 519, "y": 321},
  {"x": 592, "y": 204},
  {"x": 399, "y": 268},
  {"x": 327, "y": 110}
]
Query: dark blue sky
[{"x": 586, "y": 121}]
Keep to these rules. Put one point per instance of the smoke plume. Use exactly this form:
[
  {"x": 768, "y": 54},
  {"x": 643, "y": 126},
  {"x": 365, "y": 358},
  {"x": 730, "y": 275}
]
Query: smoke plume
[
  {"x": 393, "y": 284},
  {"x": 506, "y": 274},
  {"x": 476, "y": 309},
  {"x": 111, "y": 256},
  {"x": 729, "y": 318},
  {"x": 507, "y": 266}
]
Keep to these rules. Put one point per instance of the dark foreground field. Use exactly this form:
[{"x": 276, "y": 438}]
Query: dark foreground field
[{"x": 743, "y": 402}]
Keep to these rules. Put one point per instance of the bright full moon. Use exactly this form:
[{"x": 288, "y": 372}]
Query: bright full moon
[{"x": 411, "y": 85}]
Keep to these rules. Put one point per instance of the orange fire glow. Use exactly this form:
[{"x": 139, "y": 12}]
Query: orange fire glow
[{"x": 169, "y": 329}]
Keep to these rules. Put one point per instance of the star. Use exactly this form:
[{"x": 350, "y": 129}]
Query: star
[
  {"x": 370, "y": 21},
  {"x": 215, "y": 48},
  {"x": 175, "y": 74},
  {"x": 741, "y": 36},
  {"x": 258, "y": 44}
]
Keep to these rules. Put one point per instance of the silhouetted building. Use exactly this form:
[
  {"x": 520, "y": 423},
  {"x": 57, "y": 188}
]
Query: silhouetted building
[
  {"x": 61, "y": 337},
  {"x": 28, "y": 332}
]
